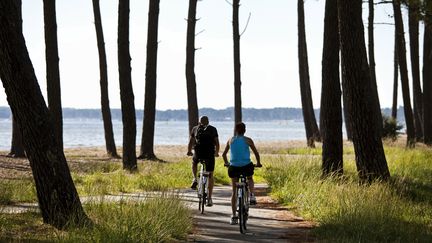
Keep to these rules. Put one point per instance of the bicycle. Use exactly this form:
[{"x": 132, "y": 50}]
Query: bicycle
[
  {"x": 243, "y": 201},
  {"x": 202, "y": 187}
]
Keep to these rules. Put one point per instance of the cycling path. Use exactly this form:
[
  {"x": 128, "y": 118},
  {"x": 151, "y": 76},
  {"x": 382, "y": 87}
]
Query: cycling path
[{"x": 268, "y": 221}]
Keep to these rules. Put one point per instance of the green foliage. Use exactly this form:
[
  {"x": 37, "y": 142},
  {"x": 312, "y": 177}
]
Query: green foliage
[
  {"x": 397, "y": 211},
  {"x": 391, "y": 129},
  {"x": 160, "y": 219},
  {"x": 17, "y": 191}
]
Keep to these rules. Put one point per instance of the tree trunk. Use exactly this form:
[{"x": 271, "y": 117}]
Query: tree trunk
[
  {"x": 237, "y": 78},
  {"x": 311, "y": 127},
  {"x": 105, "y": 107},
  {"x": 126, "y": 91},
  {"x": 371, "y": 50},
  {"x": 395, "y": 79},
  {"x": 331, "y": 110},
  {"x": 147, "y": 142},
  {"x": 409, "y": 121},
  {"x": 357, "y": 85},
  {"x": 190, "y": 66},
  {"x": 58, "y": 199},
  {"x": 413, "y": 17},
  {"x": 52, "y": 68},
  {"x": 17, "y": 146},
  {"x": 427, "y": 75}
]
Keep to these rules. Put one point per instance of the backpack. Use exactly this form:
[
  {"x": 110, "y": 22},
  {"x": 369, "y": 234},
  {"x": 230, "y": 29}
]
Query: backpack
[{"x": 204, "y": 147}]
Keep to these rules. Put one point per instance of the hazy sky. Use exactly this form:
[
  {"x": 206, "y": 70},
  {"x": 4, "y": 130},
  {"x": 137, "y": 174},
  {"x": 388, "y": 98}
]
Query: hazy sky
[{"x": 268, "y": 52}]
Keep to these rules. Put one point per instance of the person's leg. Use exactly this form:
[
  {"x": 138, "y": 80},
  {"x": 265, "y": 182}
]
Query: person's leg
[
  {"x": 194, "y": 173},
  {"x": 210, "y": 168},
  {"x": 251, "y": 184},
  {"x": 210, "y": 185},
  {"x": 234, "y": 196}
]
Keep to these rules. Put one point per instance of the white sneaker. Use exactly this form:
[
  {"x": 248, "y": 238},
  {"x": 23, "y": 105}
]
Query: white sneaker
[{"x": 209, "y": 202}]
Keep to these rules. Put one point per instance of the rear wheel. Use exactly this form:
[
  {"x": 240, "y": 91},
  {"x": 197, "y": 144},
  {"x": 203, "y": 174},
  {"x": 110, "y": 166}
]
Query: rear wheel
[
  {"x": 203, "y": 197},
  {"x": 241, "y": 213}
]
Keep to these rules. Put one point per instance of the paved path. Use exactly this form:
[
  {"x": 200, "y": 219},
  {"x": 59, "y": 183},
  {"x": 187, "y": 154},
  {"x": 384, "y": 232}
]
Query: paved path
[{"x": 268, "y": 221}]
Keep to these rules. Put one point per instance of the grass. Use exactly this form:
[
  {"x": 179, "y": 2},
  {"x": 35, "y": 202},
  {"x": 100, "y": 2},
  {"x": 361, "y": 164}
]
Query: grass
[
  {"x": 396, "y": 211},
  {"x": 161, "y": 219}
]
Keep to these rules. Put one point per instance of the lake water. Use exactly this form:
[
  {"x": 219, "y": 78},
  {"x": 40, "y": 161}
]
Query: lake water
[{"x": 89, "y": 132}]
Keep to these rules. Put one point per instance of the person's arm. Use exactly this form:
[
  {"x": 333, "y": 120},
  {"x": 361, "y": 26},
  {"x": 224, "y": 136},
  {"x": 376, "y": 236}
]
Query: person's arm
[
  {"x": 255, "y": 151},
  {"x": 191, "y": 143},
  {"x": 224, "y": 154},
  {"x": 216, "y": 142}
]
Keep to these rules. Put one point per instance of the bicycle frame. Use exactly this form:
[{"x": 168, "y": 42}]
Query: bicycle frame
[{"x": 202, "y": 187}]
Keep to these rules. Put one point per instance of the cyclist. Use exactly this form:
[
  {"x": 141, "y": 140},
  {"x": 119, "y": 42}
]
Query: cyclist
[
  {"x": 205, "y": 143},
  {"x": 240, "y": 162}
]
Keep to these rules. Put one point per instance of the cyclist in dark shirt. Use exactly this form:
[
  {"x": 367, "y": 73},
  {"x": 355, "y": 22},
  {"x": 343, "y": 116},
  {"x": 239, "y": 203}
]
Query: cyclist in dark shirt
[{"x": 205, "y": 143}]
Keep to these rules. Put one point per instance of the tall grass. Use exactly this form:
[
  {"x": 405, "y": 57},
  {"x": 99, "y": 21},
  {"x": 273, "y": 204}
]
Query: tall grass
[
  {"x": 397, "y": 211},
  {"x": 161, "y": 219},
  {"x": 17, "y": 191}
]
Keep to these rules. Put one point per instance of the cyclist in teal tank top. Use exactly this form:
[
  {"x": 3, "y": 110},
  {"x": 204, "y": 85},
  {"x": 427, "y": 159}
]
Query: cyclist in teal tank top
[{"x": 240, "y": 162}]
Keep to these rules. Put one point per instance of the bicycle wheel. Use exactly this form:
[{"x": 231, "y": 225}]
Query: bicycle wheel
[
  {"x": 241, "y": 212},
  {"x": 203, "y": 197}
]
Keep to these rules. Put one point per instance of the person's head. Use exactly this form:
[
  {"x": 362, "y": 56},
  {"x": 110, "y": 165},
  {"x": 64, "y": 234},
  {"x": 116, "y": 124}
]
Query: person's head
[
  {"x": 240, "y": 128},
  {"x": 204, "y": 120}
]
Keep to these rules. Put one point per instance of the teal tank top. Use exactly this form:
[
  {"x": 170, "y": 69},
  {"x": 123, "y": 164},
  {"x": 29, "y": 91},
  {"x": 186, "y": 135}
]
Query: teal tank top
[{"x": 240, "y": 154}]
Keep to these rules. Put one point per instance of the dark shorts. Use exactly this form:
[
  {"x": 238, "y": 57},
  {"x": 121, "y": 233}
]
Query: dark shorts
[
  {"x": 210, "y": 162},
  {"x": 247, "y": 170}
]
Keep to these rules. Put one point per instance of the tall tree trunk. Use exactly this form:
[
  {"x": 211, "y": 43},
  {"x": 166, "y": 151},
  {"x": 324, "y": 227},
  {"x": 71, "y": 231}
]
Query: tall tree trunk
[
  {"x": 370, "y": 158},
  {"x": 17, "y": 146},
  {"x": 413, "y": 17},
  {"x": 237, "y": 77},
  {"x": 126, "y": 91},
  {"x": 371, "y": 50},
  {"x": 312, "y": 131},
  {"x": 190, "y": 66},
  {"x": 105, "y": 107},
  {"x": 58, "y": 199},
  {"x": 331, "y": 110},
  {"x": 427, "y": 75},
  {"x": 409, "y": 121},
  {"x": 52, "y": 68},
  {"x": 395, "y": 79},
  {"x": 147, "y": 142}
]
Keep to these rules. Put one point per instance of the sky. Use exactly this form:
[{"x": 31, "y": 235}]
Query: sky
[{"x": 269, "y": 61}]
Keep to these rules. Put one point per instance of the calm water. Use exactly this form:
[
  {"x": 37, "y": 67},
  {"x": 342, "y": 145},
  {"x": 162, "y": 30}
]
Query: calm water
[{"x": 89, "y": 132}]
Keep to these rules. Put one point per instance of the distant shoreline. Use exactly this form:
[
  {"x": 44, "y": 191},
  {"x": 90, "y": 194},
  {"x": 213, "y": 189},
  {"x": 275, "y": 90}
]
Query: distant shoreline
[{"x": 227, "y": 114}]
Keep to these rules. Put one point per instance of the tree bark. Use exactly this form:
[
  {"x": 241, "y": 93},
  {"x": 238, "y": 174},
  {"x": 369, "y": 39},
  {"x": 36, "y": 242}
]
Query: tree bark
[
  {"x": 126, "y": 91},
  {"x": 58, "y": 199},
  {"x": 237, "y": 66},
  {"x": 357, "y": 85},
  {"x": 190, "y": 66},
  {"x": 331, "y": 110},
  {"x": 371, "y": 50},
  {"x": 311, "y": 127},
  {"x": 17, "y": 146},
  {"x": 427, "y": 75},
  {"x": 147, "y": 142},
  {"x": 52, "y": 68},
  {"x": 105, "y": 107},
  {"x": 409, "y": 120},
  {"x": 395, "y": 79},
  {"x": 413, "y": 22}
]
